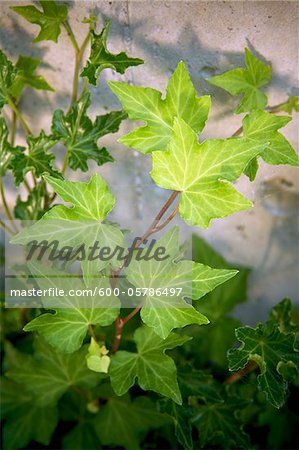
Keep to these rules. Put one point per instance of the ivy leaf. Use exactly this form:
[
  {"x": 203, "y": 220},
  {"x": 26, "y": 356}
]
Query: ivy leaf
[
  {"x": 292, "y": 104},
  {"x": 275, "y": 355},
  {"x": 160, "y": 309},
  {"x": 260, "y": 126},
  {"x": 7, "y": 152},
  {"x": 246, "y": 81},
  {"x": 24, "y": 420},
  {"x": 221, "y": 300},
  {"x": 251, "y": 169},
  {"x": 284, "y": 315},
  {"x": 7, "y": 75},
  {"x": 79, "y": 134},
  {"x": 26, "y": 76},
  {"x": 81, "y": 437},
  {"x": 181, "y": 416},
  {"x": 97, "y": 359},
  {"x": 38, "y": 160},
  {"x": 50, "y": 18},
  {"x": 147, "y": 104},
  {"x": 48, "y": 374},
  {"x": 217, "y": 419},
  {"x": 80, "y": 224},
  {"x": 33, "y": 207},
  {"x": 122, "y": 422},
  {"x": 202, "y": 172},
  {"x": 154, "y": 370},
  {"x": 100, "y": 58},
  {"x": 66, "y": 329}
]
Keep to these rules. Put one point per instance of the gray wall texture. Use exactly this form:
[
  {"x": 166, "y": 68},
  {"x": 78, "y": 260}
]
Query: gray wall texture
[{"x": 210, "y": 37}]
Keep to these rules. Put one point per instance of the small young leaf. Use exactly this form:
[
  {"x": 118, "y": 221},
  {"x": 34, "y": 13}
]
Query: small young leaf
[
  {"x": 292, "y": 104},
  {"x": 80, "y": 134},
  {"x": 154, "y": 370},
  {"x": 100, "y": 58},
  {"x": 246, "y": 81},
  {"x": 7, "y": 75},
  {"x": 147, "y": 104},
  {"x": 97, "y": 359},
  {"x": 160, "y": 309},
  {"x": 273, "y": 351},
  {"x": 50, "y": 18},
  {"x": 26, "y": 77},
  {"x": 202, "y": 173}
]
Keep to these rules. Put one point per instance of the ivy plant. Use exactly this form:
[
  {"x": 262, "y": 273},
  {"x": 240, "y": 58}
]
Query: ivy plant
[{"x": 150, "y": 360}]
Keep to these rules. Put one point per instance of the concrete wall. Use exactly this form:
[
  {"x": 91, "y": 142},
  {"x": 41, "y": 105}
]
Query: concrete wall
[{"x": 210, "y": 37}]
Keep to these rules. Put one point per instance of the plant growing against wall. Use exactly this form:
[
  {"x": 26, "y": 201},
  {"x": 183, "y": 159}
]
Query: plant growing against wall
[{"x": 103, "y": 371}]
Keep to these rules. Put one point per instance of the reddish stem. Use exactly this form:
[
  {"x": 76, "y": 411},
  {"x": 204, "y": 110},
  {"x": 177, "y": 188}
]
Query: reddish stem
[{"x": 250, "y": 367}]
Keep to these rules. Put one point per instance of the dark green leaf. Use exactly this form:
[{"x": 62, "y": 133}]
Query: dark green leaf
[
  {"x": 181, "y": 418},
  {"x": 275, "y": 355},
  {"x": 79, "y": 134},
  {"x": 121, "y": 422},
  {"x": 100, "y": 58},
  {"x": 50, "y": 18},
  {"x": 26, "y": 77},
  {"x": 37, "y": 160},
  {"x": 25, "y": 420},
  {"x": 154, "y": 370},
  {"x": 7, "y": 75},
  {"x": 48, "y": 374}
]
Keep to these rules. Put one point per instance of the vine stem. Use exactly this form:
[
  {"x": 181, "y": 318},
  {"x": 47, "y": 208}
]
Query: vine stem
[
  {"x": 3, "y": 225},
  {"x": 19, "y": 116},
  {"x": 6, "y": 208},
  {"x": 13, "y": 128},
  {"x": 153, "y": 228},
  {"x": 250, "y": 367}
]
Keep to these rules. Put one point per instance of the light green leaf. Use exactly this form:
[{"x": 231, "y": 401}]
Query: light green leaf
[
  {"x": 251, "y": 169},
  {"x": 273, "y": 351},
  {"x": 147, "y": 104},
  {"x": 154, "y": 370},
  {"x": 7, "y": 75},
  {"x": 221, "y": 300},
  {"x": 122, "y": 422},
  {"x": 97, "y": 359},
  {"x": 26, "y": 76},
  {"x": 50, "y": 18},
  {"x": 66, "y": 329},
  {"x": 48, "y": 374},
  {"x": 201, "y": 172},
  {"x": 292, "y": 104},
  {"x": 100, "y": 58},
  {"x": 38, "y": 160},
  {"x": 246, "y": 81},
  {"x": 80, "y": 134},
  {"x": 80, "y": 224},
  {"x": 161, "y": 309},
  {"x": 261, "y": 127}
]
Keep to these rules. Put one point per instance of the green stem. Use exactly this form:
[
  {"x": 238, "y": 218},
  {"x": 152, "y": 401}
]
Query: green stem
[
  {"x": 6, "y": 208},
  {"x": 65, "y": 162},
  {"x": 13, "y": 128},
  {"x": 3, "y": 225},
  {"x": 71, "y": 35},
  {"x": 153, "y": 228},
  {"x": 19, "y": 116}
]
